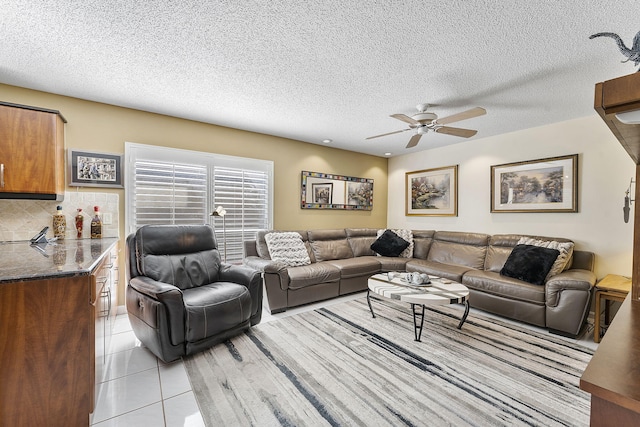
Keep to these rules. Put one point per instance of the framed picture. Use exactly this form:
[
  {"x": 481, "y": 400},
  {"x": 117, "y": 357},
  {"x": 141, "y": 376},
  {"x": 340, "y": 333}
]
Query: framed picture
[
  {"x": 322, "y": 193},
  {"x": 360, "y": 193},
  {"x": 432, "y": 192},
  {"x": 544, "y": 185},
  {"x": 91, "y": 169},
  {"x": 328, "y": 191}
]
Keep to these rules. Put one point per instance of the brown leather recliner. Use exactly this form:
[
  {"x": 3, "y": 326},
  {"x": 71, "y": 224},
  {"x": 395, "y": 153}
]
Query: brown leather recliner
[{"x": 180, "y": 297}]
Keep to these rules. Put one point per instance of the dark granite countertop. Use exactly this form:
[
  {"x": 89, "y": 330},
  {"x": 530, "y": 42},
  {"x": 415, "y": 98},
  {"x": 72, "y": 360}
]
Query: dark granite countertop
[{"x": 20, "y": 261}]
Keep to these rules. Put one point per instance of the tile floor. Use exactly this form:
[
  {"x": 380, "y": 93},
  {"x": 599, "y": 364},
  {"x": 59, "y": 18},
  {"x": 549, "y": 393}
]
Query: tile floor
[{"x": 141, "y": 390}]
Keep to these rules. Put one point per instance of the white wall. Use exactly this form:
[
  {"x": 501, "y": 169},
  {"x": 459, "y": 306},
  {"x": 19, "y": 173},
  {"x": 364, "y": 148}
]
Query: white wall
[{"x": 604, "y": 172}]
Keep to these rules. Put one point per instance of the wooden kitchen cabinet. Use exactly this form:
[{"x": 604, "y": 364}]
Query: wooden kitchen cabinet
[
  {"x": 31, "y": 153},
  {"x": 56, "y": 322}
]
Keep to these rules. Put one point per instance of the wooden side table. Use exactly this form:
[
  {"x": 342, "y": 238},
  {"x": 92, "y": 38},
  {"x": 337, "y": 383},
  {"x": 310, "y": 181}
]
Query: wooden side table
[{"x": 611, "y": 288}]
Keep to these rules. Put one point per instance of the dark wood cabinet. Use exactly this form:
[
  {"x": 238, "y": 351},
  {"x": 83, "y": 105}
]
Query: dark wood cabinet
[
  {"x": 54, "y": 334},
  {"x": 31, "y": 153}
]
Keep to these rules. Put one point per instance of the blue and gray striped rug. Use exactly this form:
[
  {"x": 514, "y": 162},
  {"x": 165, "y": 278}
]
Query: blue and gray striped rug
[{"x": 337, "y": 366}]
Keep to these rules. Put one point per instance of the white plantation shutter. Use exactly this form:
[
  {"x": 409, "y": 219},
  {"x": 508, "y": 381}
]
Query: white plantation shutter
[
  {"x": 172, "y": 186},
  {"x": 168, "y": 193},
  {"x": 244, "y": 195}
]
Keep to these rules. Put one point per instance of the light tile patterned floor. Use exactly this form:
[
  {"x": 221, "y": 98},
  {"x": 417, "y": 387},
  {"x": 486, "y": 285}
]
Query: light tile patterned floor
[{"x": 141, "y": 390}]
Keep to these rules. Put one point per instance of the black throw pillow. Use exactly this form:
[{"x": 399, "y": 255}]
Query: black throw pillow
[
  {"x": 530, "y": 263},
  {"x": 389, "y": 244}
]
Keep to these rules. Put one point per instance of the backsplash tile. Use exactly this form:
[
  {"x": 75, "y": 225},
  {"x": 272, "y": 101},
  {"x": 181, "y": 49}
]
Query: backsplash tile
[{"x": 21, "y": 219}]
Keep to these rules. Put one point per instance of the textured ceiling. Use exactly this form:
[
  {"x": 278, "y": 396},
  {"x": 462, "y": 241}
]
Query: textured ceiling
[{"x": 323, "y": 69}]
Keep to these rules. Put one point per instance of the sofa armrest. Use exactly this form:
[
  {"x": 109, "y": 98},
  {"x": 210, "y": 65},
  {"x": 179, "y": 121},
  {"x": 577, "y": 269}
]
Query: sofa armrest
[
  {"x": 167, "y": 295},
  {"x": 264, "y": 265},
  {"x": 276, "y": 281},
  {"x": 573, "y": 279}
]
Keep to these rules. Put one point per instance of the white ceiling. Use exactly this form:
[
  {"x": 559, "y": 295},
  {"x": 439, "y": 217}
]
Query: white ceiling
[{"x": 315, "y": 69}]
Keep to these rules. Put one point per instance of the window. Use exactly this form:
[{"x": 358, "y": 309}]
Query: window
[{"x": 173, "y": 186}]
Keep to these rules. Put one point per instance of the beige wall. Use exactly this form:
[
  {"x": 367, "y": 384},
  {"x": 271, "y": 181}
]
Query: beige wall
[
  {"x": 604, "y": 171},
  {"x": 101, "y": 127}
]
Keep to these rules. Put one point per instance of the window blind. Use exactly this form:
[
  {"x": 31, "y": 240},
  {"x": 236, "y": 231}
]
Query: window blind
[
  {"x": 168, "y": 193},
  {"x": 173, "y": 186}
]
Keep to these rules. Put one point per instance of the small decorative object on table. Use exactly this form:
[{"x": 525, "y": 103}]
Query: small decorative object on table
[{"x": 417, "y": 279}]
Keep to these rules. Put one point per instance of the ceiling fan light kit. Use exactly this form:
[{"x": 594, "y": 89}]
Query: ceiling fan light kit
[{"x": 424, "y": 121}]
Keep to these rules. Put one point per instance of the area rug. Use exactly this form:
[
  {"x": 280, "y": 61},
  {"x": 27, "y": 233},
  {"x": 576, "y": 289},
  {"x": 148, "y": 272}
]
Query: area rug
[{"x": 338, "y": 366}]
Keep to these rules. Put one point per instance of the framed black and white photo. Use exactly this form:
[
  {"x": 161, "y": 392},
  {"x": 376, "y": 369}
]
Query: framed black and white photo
[
  {"x": 322, "y": 193},
  {"x": 543, "y": 185},
  {"x": 92, "y": 169}
]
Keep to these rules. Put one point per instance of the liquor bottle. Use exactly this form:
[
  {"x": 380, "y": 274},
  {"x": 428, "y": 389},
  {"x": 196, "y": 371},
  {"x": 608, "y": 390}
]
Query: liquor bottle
[
  {"x": 79, "y": 223},
  {"x": 96, "y": 224},
  {"x": 59, "y": 224}
]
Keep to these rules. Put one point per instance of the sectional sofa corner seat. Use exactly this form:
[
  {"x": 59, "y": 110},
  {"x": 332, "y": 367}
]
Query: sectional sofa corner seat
[{"x": 342, "y": 262}]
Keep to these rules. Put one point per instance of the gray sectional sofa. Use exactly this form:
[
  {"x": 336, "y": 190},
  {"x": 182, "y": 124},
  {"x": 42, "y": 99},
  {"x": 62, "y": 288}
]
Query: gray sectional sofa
[{"x": 341, "y": 261}]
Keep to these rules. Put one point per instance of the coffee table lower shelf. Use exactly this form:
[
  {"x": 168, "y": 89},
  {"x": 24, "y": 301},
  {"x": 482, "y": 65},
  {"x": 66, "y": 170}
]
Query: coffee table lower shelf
[{"x": 440, "y": 292}]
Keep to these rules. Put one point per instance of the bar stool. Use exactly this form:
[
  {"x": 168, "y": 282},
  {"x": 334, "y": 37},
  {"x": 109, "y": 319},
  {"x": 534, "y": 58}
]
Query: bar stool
[{"x": 611, "y": 288}]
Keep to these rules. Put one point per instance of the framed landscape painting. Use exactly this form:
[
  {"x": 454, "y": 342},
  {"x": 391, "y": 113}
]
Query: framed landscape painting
[
  {"x": 544, "y": 185},
  {"x": 432, "y": 192}
]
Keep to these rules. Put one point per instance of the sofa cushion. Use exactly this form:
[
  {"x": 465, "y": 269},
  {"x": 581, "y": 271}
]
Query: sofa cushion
[
  {"x": 565, "y": 250},
  {"x": 288, "y": 248},
  {"x": 312, "y": 274},
  {"x": 356, "y": 267},
  {"x": 406, "y": 235},
  {"x": 329, "y": 244},
  {"x": 228, "y": 303},
  {"x": 530, "y": 263},
  {"x": 502, "y": 286},
  {"x": 453, "y": 253},
  {"x": 422, "y": 240},
  {"x": 360, "y": 240},
  {"x": 388, "y": 263},
  {"x": 389, "y": 244},
  {"x": 438, "y": 269},
  {"x": 261, "y": 244}
]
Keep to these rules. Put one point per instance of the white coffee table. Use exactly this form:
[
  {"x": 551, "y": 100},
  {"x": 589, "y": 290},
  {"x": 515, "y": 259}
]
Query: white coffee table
[{"x": 439, "y": 292}]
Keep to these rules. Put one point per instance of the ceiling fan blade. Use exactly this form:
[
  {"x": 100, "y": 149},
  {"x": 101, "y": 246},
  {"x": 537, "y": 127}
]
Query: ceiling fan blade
[
  {"x": 465, "y": 133},
  {"x": 405, "y": 118},
  {"x": 390, "y": 133},
  {"x": 474, "y": 112},
  {"x": 414, "y": 140}
]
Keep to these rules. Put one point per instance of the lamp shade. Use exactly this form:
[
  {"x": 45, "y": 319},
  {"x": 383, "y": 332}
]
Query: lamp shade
[{"x": 219, "y": 211}]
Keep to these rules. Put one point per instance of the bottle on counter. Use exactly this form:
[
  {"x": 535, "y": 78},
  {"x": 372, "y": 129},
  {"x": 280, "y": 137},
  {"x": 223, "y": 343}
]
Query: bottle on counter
[
  {"x": 59, "y": 224},
  {"x": 79, "y": 223},
  {"x": 96, "y": 224}
]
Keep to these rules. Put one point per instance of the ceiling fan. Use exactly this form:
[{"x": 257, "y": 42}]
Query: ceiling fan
[{"x": 425, "y": 121}]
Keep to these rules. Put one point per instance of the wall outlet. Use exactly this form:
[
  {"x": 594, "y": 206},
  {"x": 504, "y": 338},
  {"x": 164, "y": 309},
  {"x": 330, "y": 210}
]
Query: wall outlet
[{"x": 107, "y": 219}]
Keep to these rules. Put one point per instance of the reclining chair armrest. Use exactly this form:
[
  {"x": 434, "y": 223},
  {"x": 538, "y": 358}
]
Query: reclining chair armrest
[
  {"x": 168, "y": 295},
  {"x": 573, "y": 279},
  {"x": 154, "y": 289},
  {"x": 252, "y": 279}
]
